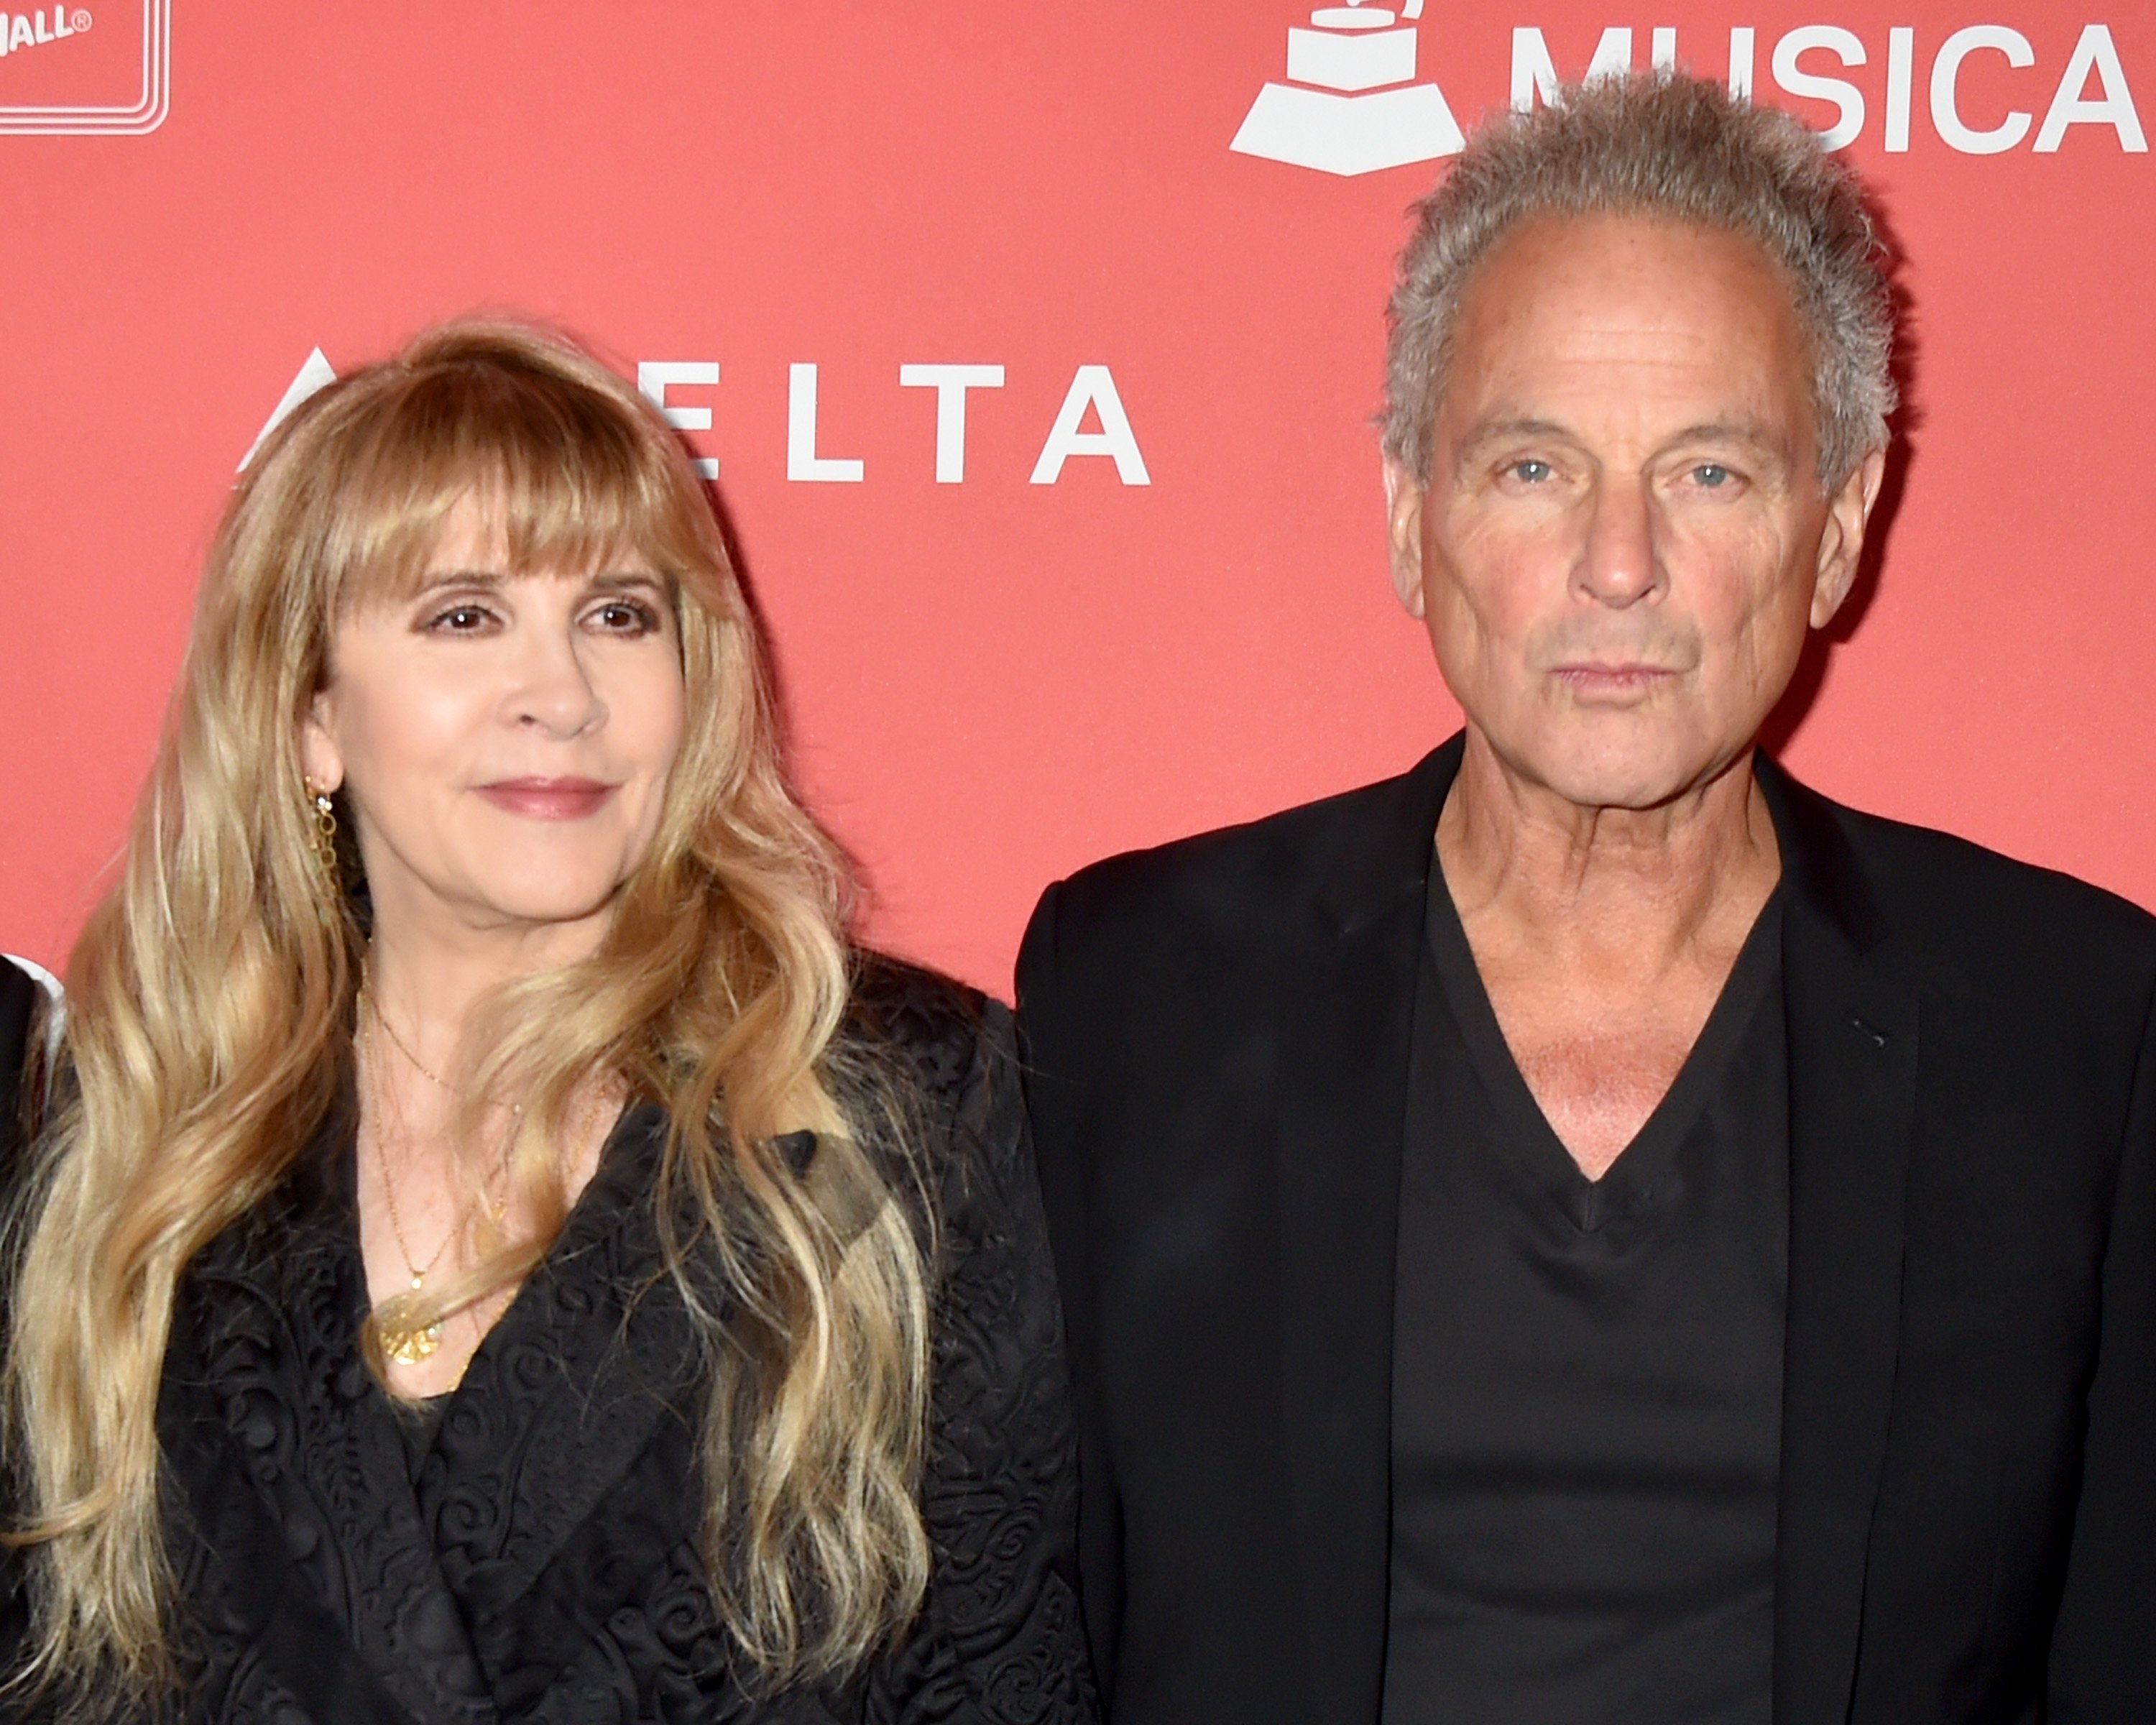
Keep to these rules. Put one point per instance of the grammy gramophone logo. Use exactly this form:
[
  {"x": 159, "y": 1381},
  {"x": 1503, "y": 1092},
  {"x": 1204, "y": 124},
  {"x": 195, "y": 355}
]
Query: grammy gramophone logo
[{"x": 1351, "y": 103}]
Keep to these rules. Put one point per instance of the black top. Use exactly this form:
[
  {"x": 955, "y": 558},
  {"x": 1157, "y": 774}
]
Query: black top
[
  {"x": 545, "y": 1565},
  {"x": 1587, "y": 1375},
  {"x": 419, "y": 1424}
]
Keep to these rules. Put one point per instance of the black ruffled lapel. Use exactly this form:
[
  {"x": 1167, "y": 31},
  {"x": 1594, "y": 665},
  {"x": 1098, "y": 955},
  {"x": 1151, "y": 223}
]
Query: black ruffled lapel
[
  {"x": 289, "y": 1457},
  {"x": 553, "y": 1493},
  {"x": 567, "y": 1392}
]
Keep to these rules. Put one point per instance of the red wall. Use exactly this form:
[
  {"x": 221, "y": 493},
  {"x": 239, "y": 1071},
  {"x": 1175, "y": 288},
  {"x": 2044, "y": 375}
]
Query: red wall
[{"x": 993, "y": 681}]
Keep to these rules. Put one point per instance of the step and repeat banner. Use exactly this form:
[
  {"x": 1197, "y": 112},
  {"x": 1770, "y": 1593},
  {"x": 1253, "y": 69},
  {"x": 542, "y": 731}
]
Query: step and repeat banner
[{"x": 1035, "y": 349}]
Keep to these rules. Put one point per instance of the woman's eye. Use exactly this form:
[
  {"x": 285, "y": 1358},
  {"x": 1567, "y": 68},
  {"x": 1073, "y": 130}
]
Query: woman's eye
[
  {"x": 460, "y": 619},
  {"x": 625, "y": 617}
]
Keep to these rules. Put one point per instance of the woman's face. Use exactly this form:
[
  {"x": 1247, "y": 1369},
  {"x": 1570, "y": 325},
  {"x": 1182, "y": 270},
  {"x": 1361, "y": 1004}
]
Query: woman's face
[{"x": 504, "y": 740}]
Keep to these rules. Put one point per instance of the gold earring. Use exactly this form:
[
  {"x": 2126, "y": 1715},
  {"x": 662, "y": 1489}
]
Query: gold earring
[{"x": 323, "y": 839}]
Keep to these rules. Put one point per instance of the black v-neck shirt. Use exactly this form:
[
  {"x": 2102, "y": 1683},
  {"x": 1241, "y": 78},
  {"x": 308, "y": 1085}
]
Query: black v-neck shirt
[{"x": 1587, "y": 1376}]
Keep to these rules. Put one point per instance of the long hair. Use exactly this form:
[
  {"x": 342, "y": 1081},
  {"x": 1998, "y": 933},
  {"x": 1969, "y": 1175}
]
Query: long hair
[{"x": 211, "y": 1005}]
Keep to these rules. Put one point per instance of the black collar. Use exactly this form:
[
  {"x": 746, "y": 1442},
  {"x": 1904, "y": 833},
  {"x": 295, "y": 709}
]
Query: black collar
[{"x": 287, "y": 1448}]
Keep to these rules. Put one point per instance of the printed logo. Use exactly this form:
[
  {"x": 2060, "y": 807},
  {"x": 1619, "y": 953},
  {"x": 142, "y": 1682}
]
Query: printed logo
[
  {"x": 1352, "y": 105},
  {"x": 58, "y": 76},
  {"x": 316, "y": 373},
  {"x": 33, "y": 29},
  {"x": 1092, "y": 395}
]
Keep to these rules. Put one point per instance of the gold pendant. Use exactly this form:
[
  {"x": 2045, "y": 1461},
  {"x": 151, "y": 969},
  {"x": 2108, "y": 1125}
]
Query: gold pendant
[{"x": 409, "y": 1347}]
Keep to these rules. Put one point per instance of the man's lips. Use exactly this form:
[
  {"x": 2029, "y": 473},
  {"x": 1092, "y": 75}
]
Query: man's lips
[
  {"x": 548, "y": 798},
  {"x": 1611, "y": 679}
]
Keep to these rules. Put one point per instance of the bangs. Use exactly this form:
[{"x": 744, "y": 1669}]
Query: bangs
[{"x": 566, "y": 477}]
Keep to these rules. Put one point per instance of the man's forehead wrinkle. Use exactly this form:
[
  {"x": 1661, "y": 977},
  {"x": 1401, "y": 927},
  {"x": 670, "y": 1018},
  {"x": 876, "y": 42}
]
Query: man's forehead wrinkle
[
  {"x": 1588, "y": 398},
  {"x": 1558, "y": 343},
  {"x": 1746, "y": 434},
  {"x": 1506, "y": 428}
]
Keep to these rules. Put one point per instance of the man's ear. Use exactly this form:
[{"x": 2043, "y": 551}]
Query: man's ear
[
  {"x": 1841, "y": 545},
  {"x": 1404, "y": 500},
  {"x": 321, "y": 760}
]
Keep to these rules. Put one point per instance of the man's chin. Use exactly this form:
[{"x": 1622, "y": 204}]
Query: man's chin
[{"x": 1638, "y": 775}]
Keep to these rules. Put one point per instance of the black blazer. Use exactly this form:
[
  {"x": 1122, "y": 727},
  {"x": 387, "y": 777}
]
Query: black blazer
[
  {"x": 545, "y": 1566},
  {"x": 1217, "y": 1040},
  {"x": 22, "y": 1008}
]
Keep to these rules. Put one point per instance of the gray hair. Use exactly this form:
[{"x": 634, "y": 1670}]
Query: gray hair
[{"x": 1678, "y": 148}]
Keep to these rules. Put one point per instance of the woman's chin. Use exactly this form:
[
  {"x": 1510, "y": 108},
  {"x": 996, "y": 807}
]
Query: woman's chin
[{"x": 535, "y": 906}]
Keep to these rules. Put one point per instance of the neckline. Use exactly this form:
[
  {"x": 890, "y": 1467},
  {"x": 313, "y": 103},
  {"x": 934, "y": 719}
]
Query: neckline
[
  {"x": 605, "y": 1202},
  {"x": 1645, "y": 1176}
]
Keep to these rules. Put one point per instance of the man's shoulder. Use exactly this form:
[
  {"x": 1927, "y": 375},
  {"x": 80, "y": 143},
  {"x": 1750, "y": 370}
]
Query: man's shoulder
[
  {"x": 1231, "y": 879},
  {"x": 1952, "y": 894}
]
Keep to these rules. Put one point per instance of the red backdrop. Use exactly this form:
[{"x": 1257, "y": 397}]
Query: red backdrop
[{"x": 992, "y": 679}]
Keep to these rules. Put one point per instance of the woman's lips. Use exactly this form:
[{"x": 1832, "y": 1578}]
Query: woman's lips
[{"x": 547, "y": 798}]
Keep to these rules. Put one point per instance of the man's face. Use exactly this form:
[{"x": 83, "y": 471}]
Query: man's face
[{"x": 1623, "y": 536}]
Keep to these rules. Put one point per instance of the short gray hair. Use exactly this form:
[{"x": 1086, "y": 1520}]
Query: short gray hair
[{"x": 1674, "y": 148}]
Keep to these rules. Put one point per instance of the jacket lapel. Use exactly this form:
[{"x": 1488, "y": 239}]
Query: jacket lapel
[
  {"x": 565, "y": 1393},
  {"x": 1346, "y": 993},
  {"x": 1852, "y": 1038},
  {"x": 270, "y": 1354}
]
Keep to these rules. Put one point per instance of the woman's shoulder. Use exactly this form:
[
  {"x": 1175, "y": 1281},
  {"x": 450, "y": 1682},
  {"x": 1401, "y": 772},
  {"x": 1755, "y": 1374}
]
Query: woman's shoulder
[
  {"x": 952, "y": 1053},
  {"x": 942, "y": 1035},
  {"x": 1001, "y": 1635}
]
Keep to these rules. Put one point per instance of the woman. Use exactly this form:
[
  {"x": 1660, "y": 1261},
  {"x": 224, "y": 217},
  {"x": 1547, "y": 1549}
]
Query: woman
[{"x": 499, "y": 1253}]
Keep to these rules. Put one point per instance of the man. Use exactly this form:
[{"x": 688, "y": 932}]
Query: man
[
  {"x": 1590, "y": 1229},
  {"x": 22, "y": 1009}
]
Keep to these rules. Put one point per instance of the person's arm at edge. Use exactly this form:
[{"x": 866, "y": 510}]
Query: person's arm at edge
[
  {"x": 1051, "y": 1031},
  {"x": 21, "y": 1005},
  {"x": 2103, "y": 1648}
]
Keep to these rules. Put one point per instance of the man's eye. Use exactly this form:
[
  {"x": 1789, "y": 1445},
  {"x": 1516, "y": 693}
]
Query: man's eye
[
  {"x": 1712, "y": 475},
  {"x": 1531, "y": 471}
]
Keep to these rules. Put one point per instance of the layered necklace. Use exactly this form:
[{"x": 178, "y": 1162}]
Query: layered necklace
[
  {"x": 412, "y": 1344},
  {"x": 407, "y": 1344}
]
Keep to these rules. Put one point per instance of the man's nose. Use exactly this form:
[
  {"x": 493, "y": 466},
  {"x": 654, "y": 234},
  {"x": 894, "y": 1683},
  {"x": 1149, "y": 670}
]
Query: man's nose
[
  {"x": 554, "y": 688},
  {"x": 1620, "y": 562}
]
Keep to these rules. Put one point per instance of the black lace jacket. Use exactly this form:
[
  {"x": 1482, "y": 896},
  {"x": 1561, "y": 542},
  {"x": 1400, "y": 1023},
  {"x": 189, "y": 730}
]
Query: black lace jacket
[{"x": 544, "y": 1567}]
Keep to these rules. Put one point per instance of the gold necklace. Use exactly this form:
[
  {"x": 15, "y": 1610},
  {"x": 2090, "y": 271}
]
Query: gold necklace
[
  {"x": 409, "y": 1345},
  {"x": 369, "y": 1005},
  {"x": 388, "y": 1029},
  {"x": 421, "y": 1342}
]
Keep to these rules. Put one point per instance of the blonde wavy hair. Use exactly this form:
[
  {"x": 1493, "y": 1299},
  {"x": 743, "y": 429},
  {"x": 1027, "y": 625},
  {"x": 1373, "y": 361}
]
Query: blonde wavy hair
[{"x": 212, "y": 1009}]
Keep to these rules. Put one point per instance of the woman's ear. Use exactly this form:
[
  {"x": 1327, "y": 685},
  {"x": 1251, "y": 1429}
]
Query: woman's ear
[{"x": 320, "y": 759}]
